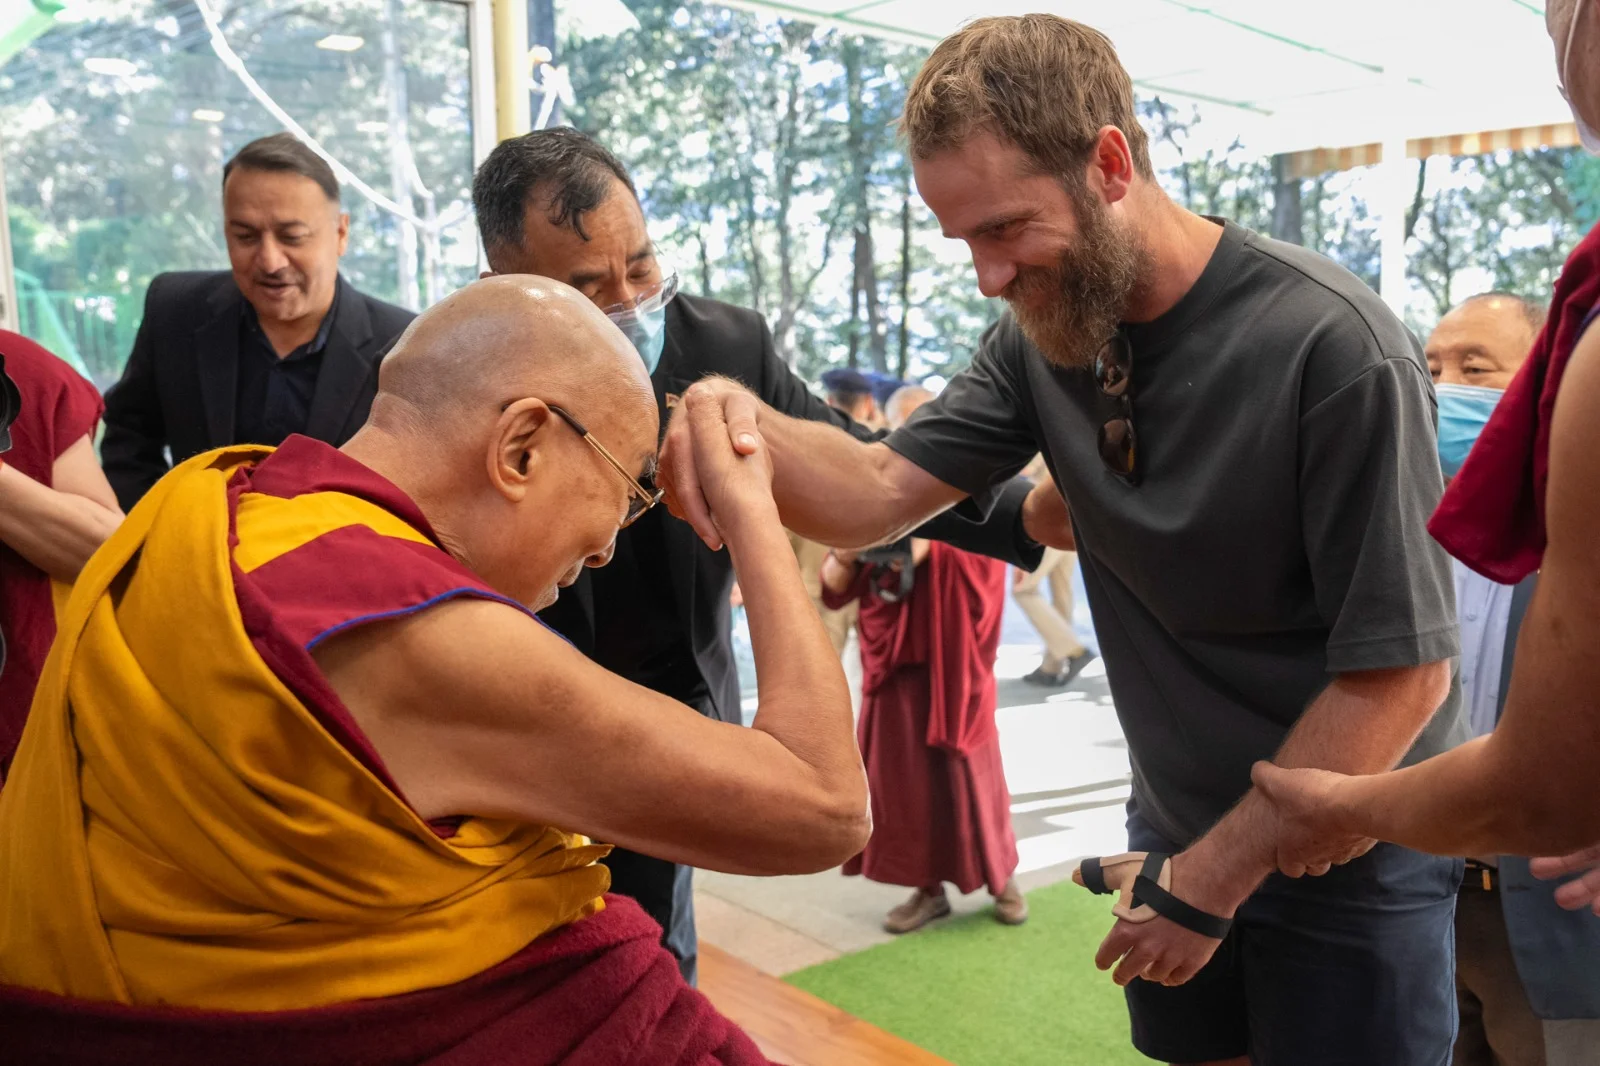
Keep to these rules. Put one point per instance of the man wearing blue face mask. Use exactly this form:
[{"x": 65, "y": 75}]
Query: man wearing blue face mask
[
  {"x": 558, "y": 204},
  {"x": 1526, "y": 984}
]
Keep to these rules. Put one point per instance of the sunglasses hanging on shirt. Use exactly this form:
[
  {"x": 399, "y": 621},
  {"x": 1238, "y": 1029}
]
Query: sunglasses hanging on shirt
[{"x": 1118, "y": 443}]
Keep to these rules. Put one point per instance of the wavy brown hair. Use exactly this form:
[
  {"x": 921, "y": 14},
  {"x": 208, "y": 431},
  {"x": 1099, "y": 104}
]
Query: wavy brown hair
[{"x": 1046, "y": 84}]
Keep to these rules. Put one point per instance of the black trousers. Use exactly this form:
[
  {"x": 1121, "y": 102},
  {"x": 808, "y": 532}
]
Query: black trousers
[{"x": 666, "y": 892}]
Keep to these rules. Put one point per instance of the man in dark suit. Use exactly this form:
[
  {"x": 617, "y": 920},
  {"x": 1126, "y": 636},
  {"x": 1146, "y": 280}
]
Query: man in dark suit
[
  {"x": 556, "y": 203},
  {"x": 281, "y": 344}
]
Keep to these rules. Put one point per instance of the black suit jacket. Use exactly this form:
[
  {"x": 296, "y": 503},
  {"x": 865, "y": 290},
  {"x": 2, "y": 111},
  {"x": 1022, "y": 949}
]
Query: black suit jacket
[
  {"x": 705, "y": 337},
  {"x": 179, "y": 390}
]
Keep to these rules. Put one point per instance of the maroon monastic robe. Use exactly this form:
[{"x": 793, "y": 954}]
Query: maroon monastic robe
[{"x": 940, "y": 807}]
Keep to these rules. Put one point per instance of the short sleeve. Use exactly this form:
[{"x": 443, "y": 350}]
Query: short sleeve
[
  {"x": 977, "y": 433},
  {"x": 59, "y": 407},
  {"x": 1369, "y": 479},
  {"x": 78, "y": 409}
]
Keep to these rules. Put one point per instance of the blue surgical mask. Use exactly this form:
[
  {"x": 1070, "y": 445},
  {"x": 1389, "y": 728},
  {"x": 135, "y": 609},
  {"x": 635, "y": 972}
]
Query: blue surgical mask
[
  {"x": 647, "y": 330},
  {"x": 1463, "y": 412},
  {"x": 644, "y": 321}
]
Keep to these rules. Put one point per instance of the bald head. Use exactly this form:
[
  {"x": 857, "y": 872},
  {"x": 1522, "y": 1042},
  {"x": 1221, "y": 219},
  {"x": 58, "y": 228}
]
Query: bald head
[
  {"x": 477, "y": 420},
  {"x": 501, "y": 339},
  {"x": 1484, "y": 341},
  {"x": 904, "y": 403}
]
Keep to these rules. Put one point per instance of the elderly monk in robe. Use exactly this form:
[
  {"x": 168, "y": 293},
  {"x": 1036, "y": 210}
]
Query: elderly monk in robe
[
  {"x": 306, "y": 781},
  {"x": 940, "y": 806}
]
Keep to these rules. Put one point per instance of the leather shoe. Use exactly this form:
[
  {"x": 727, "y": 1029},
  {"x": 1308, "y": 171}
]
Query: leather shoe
[
  {"x": 1010, "y": 906},
  {"x": 916, "y": 912}
]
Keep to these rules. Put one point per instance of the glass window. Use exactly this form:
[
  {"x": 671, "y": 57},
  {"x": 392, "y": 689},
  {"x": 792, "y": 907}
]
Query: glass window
[{"x": 116, "y": 117}]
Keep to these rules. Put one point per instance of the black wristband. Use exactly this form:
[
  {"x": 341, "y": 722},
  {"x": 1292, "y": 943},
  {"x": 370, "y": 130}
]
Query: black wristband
[{"x": 1146, "y": 890}]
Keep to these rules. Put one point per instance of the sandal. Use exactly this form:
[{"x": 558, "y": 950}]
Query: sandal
[{"x": 1144, "y": 882}]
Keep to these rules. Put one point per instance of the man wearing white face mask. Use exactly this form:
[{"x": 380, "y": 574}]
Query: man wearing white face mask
[{"x": 1526, "y": 986}]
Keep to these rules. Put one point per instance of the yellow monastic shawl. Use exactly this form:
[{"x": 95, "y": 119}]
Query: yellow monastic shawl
[{"x": 179, "y": 829}]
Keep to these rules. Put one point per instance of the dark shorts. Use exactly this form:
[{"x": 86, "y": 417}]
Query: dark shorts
[{"x": 1354, "y": 968}]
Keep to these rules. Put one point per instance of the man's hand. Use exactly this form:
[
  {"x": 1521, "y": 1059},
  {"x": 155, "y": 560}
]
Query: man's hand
[
  {"x": 1160, "y": 950},
  {"x": 1580, "y": 892},
  {"x": 678, "y": 471},
  {"x": 729, "y": 483},
  {"x": 1046, "y": 519},
  {"x": 1314, "y": 832}
]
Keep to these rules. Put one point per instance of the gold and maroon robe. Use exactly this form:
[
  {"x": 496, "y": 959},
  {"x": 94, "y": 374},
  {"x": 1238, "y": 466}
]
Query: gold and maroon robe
[{"x": 203, "y": 859}]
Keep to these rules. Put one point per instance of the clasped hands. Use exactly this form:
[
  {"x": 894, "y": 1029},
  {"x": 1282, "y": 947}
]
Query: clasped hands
[
  {"x": 728, "y": 407},
  {"x": 713, "y": 465},
  {"x": 1311, "y": 802}
]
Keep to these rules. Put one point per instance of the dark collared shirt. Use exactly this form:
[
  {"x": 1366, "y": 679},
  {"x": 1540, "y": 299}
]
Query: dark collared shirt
[{"x": 274, "y": 395}]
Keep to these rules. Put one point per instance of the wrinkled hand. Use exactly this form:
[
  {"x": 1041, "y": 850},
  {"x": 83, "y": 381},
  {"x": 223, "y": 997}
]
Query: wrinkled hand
[
  {"x": 1046, "y": 519},
  {"x": 679, "y": 472},
  {"x": 1162, "y": 951},
  {"x": 1582, "y": 891},
  {"x": 727, "y": 483},
  {"x": 1313, "y": 836}
]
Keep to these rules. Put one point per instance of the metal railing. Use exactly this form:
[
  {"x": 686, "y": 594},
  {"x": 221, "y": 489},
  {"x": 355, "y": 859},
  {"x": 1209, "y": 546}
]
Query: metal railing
[{"x": 93, "y": 332}]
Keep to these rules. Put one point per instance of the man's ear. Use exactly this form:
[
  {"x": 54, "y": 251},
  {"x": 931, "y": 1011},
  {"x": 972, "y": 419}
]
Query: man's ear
[
  {"x": 1111, "y": 168},
  {"x": 517, "y": 446}
]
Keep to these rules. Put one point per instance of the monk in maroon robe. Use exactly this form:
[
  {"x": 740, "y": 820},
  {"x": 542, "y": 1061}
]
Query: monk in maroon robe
[{"x": 941, "y": 811}]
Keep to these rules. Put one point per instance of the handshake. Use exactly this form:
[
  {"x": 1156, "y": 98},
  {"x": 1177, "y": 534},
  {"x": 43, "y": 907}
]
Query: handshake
[{"x": 715, "y": 470}]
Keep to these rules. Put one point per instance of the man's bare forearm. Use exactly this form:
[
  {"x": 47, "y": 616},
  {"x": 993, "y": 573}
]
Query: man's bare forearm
[
  {"x": 1361, "y": 724},
  {"x": 55, "y": 531},
  {"x": 1527, "y": 788},
  {"x": 836, "y": 490}
]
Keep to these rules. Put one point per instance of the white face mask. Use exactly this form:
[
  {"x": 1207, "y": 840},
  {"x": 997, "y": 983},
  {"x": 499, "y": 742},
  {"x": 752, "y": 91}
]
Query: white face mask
[{"x": 1587, "y": 136}]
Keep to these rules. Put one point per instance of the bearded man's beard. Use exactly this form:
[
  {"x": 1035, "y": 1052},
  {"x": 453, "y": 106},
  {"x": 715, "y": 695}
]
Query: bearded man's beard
[{"x": 1070, "y": 309}]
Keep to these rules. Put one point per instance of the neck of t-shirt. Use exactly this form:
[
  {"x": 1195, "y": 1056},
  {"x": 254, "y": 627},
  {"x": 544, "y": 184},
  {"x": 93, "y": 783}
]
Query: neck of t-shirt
[{"x": 1161, "y": 330}]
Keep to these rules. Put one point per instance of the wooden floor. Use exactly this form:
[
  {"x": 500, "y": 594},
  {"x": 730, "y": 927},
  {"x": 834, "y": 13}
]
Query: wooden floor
[{"x": 795, "y": 1027}]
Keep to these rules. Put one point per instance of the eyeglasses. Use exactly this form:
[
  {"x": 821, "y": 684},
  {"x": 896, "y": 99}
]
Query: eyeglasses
[
  {"x": 640, "y": 499},
  {"x": 654, "y": 298},
  {"x": 1119, "y": 444}
]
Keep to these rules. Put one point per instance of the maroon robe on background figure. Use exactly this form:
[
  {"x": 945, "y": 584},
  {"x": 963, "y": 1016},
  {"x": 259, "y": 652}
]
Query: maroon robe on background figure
[{"x": 940, "y": 807}]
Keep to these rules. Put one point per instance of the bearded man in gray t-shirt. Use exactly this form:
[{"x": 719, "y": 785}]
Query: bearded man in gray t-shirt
[{"x": 1245, "y": 436}]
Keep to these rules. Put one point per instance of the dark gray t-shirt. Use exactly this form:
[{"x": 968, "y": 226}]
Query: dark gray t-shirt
[{"x": 1277, "y": 537}]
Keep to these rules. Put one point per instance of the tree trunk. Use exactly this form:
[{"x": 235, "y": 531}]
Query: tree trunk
[
  {"x": 400, "y": 158},
  {"x": 786, "y": 164},
  {"x": 865, "y": 287},
  {"x": 705, "y": 266},
  {"x": 903, "y": 363},
  {"x": 1288, "y": 219},
  {"x": 542, "y": 31},
  {"x": 752, "y": 248},
  {"x": 1417, "y": 197}
]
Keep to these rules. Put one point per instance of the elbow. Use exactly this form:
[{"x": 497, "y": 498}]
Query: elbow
[
  {"x": 837, "y": 832},
  {"x": 1435, "y": 679}
]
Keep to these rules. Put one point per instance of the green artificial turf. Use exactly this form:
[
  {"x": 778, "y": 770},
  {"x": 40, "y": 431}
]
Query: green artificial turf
[{"x": 982, "y": 994}]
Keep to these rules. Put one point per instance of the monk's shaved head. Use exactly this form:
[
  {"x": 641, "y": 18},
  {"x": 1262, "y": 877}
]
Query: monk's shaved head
[
  {"x": 498, "y": 340},
  {"x": 467, "y": 422},
  {"x": 903, "y": 403}
]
